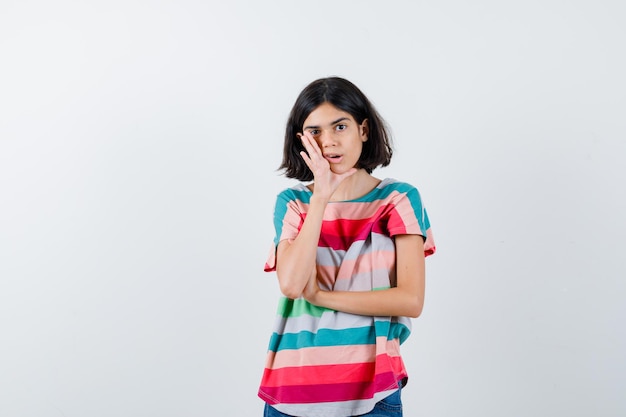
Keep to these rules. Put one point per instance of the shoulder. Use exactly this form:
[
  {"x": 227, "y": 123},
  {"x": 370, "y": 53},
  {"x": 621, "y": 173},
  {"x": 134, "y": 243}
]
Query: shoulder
[
  {"x": 398, "y": 192},
  {"x": 394, "y": 186},
  {"x": 298, "y": 192}
]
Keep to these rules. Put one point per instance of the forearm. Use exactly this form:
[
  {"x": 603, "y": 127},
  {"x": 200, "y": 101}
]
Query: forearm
[
  {"x": 296, "y": 259},
  {"x": 406, "y": 298},
  {"x": 389, "y": 302}
]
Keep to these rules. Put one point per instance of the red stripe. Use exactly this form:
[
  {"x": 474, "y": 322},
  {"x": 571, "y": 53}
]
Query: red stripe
[
  {"x": 397, "y": 225},
  {"x": 320, "y": 393},
  {"x": 341, "y": 233},
  {"x": 314, "y": 374},
  {"x": 321, "y": 374}
]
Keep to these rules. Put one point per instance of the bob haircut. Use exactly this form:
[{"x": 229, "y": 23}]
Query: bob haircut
[{"x": 346, "y": 96}]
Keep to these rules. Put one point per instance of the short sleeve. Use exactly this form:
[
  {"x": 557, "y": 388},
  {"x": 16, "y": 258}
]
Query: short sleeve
[
  {"x": 288, "y": 219},
  {"x": 409, "y": 217}
]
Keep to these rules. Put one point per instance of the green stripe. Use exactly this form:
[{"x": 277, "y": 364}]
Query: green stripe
[{"x": 300, "y": 307}]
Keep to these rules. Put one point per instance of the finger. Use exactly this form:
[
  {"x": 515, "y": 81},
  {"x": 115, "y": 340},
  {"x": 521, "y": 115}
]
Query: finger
[
  {"x": 310, "y": 144},
  {"x": 306, "y": 154},
  {"x": 306, "y": 159},
  {"x": 305, "y": 141}
]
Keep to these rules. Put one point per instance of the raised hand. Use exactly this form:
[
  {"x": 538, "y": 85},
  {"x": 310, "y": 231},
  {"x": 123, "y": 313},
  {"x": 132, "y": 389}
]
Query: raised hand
[{"x": 326, "y": 181}]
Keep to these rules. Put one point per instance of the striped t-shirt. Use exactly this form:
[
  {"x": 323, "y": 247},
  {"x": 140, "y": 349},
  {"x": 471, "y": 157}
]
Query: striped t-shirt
[{"x": 326, "y": 363}]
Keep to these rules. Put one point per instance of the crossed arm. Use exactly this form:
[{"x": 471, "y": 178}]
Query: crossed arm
[
  {"x": 297, "y": 275},
  {"x": 406, "y": 299}
]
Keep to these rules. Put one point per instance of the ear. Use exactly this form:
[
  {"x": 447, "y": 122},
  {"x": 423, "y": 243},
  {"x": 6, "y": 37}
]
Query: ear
[{"x": 365, "y": 130}]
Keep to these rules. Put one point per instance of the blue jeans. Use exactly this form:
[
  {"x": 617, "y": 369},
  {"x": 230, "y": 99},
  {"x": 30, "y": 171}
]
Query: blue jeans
[{"x": 387, "y": 407}]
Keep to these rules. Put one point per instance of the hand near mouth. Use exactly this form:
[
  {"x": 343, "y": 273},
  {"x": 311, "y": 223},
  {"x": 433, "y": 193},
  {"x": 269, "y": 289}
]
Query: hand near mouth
[{"x": 326, "y": 181}]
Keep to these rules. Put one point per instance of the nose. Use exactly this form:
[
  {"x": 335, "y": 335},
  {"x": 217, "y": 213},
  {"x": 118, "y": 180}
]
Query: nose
[{"x": 326, "y": 139}]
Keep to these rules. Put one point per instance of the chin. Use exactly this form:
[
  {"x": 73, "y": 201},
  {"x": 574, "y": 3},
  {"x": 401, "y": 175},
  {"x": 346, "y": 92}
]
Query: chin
[{"x": 338, "y": 171}]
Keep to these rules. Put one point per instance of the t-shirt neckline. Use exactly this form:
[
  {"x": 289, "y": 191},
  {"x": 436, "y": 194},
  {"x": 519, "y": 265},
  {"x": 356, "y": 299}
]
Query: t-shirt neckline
[{"x": 381, "y": 184}]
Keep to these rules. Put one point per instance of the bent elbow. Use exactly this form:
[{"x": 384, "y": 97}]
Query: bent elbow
[
  {"x": 415, "y": 309},
  {"x": 291, "y": 294},
  {"x": 289, "y": 290},
  {"x": 414, "y": 313},
  {"x": 291, "y": 283}
]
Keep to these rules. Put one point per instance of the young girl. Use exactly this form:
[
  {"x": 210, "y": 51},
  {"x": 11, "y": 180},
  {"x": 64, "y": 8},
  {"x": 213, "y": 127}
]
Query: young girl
[{"x": 349, "y": 256}]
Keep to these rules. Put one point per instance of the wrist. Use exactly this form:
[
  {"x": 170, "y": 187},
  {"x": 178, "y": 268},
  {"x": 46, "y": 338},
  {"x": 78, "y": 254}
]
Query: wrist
[
  {"x": 317, "y": 297},
  {"x": 320, "y": 199},
  {"x": 311, "y": 294}
]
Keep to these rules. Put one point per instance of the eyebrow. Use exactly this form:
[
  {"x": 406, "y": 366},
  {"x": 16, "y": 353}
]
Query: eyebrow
[{"x": 341, "y": 119}]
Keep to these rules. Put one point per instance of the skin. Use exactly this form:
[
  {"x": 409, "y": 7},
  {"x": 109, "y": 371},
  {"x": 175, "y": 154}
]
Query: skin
[{"x": 329, "y": 132}]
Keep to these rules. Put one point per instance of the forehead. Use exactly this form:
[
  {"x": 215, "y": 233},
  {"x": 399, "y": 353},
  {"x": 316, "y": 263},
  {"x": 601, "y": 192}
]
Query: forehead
[{"x": 326, "y": 114}]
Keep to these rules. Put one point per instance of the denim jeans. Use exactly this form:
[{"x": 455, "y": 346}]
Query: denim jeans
[{"x": 390, "y": 406}]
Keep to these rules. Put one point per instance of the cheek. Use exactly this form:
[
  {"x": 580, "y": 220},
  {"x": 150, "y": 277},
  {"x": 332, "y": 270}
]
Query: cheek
[{"x": 361, "y": 149}]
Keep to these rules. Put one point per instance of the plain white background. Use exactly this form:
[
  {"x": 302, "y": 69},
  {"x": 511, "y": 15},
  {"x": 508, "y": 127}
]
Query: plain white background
[{"x": 139, "y": 142}]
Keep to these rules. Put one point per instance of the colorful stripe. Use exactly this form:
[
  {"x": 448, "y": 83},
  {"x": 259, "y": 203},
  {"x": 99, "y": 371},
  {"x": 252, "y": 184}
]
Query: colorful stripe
[{"x": 328, "y": 363}]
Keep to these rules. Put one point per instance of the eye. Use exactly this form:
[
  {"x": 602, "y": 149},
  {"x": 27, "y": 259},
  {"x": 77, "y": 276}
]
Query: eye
[
  {"x": 341, "y": 127},
  {"x": 314, "y": 132}
]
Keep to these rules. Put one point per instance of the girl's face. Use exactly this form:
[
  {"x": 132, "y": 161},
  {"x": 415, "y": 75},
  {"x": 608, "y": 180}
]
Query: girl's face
[{"x": 339, "y": 137}]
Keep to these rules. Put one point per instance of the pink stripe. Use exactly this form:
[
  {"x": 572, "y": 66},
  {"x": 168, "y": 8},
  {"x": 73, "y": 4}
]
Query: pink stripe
[
  {"x": 292, "y": 222},
  {"x": 390, "y": 347},
  {"x": 429, "y": 245},
  {"x": 327, "y": 355},
  {"x": 366, "y": 263},
  {"x": 397, "y": 221}
]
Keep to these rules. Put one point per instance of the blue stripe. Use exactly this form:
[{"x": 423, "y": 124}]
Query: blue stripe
[
  {"x": 328, "y": 337},
  {"x": 282, "y": 201}
]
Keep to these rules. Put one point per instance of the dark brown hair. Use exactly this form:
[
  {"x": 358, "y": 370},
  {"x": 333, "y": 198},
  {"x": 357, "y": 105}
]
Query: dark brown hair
[{"x": 346, "y": 96}]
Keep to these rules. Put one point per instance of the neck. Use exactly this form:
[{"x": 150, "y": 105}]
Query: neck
[{"x": 355, "y": 186}]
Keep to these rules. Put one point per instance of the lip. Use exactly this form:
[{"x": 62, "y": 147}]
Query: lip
[{"x": 335, "y": 160}]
